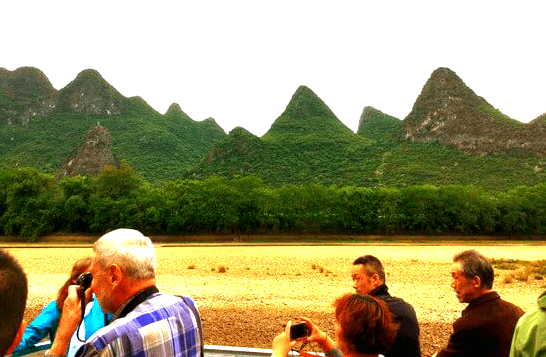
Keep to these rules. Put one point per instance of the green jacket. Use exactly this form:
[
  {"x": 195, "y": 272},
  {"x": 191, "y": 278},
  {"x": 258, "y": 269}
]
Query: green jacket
[{"x": 530, "y": 336}]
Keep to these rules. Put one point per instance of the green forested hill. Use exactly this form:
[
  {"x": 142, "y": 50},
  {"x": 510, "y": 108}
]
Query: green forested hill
[
  {"x": 377, "y": 155},
  {"x": 306, "y": 144},
  {"x": 158, "y": 147},
  {"x": 43, "y": 128}
]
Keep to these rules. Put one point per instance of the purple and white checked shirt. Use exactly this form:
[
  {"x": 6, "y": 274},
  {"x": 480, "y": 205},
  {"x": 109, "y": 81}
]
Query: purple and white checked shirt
[{"x": 163, "y": 325}]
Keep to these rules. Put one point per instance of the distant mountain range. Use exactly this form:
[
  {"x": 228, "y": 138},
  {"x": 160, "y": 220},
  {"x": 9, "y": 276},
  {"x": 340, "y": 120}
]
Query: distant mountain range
[{"x": 451, "y": 136}]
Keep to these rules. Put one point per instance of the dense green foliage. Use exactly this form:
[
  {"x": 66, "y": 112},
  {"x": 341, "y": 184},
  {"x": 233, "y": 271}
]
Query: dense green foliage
[
  {"x": 33, "y": 204},
  {"x": 365, "y": 162},
  {"x": 308, "y": 174},
  {"x": 307, "y": 144},
  {"x": 159, "y": 147},
  {"x": 376, "y": 125}
]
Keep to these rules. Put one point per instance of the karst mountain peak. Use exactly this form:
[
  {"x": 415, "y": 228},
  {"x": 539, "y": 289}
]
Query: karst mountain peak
[{"x": 306, "y": 114}]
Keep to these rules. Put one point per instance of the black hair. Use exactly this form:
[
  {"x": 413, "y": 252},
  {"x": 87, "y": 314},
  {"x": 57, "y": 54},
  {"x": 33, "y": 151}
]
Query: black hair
[
  {"x": 13, "y": 298},
  {"x": 372, "y": 266}
]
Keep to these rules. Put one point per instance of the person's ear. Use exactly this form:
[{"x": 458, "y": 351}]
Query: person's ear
[
  {"x": 116, "y": 274},
  {"x": 476, "y": 282},
  {"x": 376, "y": 280}
]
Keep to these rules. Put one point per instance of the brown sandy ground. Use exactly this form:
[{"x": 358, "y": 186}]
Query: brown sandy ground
[{"x": 264, "y": 286}]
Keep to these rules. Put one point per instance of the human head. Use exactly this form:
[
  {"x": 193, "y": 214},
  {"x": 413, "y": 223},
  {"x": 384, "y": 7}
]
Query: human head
[
  {"x": 472, "y": 275},
  {"x": 364, "y": 324},
  {"x": 13, "y": 298},
  {"x": 124, "y": 264},
  {"x": 80, "y": 266},
  {"x": 367, "y": 274},
  {"x": 128, "y": 248}
]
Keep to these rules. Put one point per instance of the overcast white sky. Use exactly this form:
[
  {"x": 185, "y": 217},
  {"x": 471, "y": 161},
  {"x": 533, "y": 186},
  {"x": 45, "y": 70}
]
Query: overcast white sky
[{"x": 240, "y": 61}]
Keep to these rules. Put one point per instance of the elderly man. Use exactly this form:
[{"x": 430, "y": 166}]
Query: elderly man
[
  {"x": 13, "y": 298},
  {"x": 146, "y": 322},
  {"x": 487, "y": 324},
  {"x": 369, "y": 279}
]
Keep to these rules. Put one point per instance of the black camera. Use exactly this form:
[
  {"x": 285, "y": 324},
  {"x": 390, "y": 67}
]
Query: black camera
[
  {"x": 84, "y": 280},
  {"x": 298, "y": 330}
]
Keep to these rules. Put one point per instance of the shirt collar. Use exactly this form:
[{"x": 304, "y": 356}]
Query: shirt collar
[
  {"x": 483, "y": 298},
  {"x": 134, "y": 301},
  {"x": 380, "y": 290}
]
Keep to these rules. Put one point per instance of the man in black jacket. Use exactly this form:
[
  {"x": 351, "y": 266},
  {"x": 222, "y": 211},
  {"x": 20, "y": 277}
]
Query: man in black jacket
[{"x": 369, "y": 279}]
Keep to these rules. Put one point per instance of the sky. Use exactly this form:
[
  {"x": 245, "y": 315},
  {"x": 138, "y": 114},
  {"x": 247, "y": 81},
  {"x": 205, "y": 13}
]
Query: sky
[{"x": 240, "y": 61}]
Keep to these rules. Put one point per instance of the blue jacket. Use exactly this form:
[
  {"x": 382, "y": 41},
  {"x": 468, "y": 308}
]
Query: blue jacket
[{"x": 46, "y": 324}]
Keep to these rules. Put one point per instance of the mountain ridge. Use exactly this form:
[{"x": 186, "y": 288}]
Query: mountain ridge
[
  {"x": 450, "y": 112},
  {"x": 305, "y": 115},
  {"x": 306, "y": 143}
]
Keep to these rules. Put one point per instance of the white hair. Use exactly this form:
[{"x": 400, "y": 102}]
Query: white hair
[{"x": 128, "y": 248}]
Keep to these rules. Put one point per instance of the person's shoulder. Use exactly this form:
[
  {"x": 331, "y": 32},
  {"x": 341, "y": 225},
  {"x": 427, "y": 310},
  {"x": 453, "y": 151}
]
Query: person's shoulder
[
  {"x": 401, "y": 309},
  {"x": 397, "y": 301},
  {"x": 494, "y": 298},
  {"x": 51, "y": 305},
  {"x": 51, "y": 308},
  {"x": 188, "y": 300},
  {"x": 167, "y": 298},
  {"x": 165, "y": 301},
  {"x": 511, "y": 306}
]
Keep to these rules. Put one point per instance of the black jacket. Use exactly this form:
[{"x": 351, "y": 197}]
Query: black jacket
[{"x": 406, "y": 343}]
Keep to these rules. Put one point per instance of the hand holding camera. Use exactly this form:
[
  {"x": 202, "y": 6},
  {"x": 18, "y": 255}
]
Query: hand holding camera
[
  {"x": 299, "y": 330},
  {"x": 84, "y": 281},
  {"x": 282, "y": 343}
]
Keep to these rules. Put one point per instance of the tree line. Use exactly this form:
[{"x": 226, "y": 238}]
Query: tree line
[{"x": 33, "y": 203}]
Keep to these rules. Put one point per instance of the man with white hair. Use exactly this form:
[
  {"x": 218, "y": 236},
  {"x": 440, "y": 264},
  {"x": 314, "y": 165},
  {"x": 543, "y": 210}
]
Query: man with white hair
[{"x": 146, "y": 322}]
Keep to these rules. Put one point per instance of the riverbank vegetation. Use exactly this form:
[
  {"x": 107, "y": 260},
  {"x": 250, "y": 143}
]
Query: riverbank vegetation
[{"x": 34, "y": 204}]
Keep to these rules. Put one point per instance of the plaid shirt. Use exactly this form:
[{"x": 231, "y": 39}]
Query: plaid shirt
[{"x": 163, "y": 325}]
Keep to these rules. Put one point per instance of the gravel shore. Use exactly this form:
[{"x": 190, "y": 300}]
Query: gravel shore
[{"x": 264, "y": 286}]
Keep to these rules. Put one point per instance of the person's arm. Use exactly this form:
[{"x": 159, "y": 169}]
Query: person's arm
[
  {"x": 68, "y": 324},
  {"x": 45, "y": 323},
  {"x": 282, "y": 343}
]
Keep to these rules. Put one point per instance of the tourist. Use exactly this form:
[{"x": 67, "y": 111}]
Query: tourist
[
  {"x": 368, "y": 277},
  {"x": 364, "y": 327},
  {"x": 530, "y": 334},
  {"x": 46, "y": 323},
  {"x": 13, "y": 299},
  {"x": 487, "y": 324},
  {"x": 146, "y": 322}
]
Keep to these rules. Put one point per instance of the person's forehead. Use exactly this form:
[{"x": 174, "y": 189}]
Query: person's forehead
[
  {"x": 94, "y": 265},
  {"x": 357, "y": 269},
  {"x": 456, "y": 268}
]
